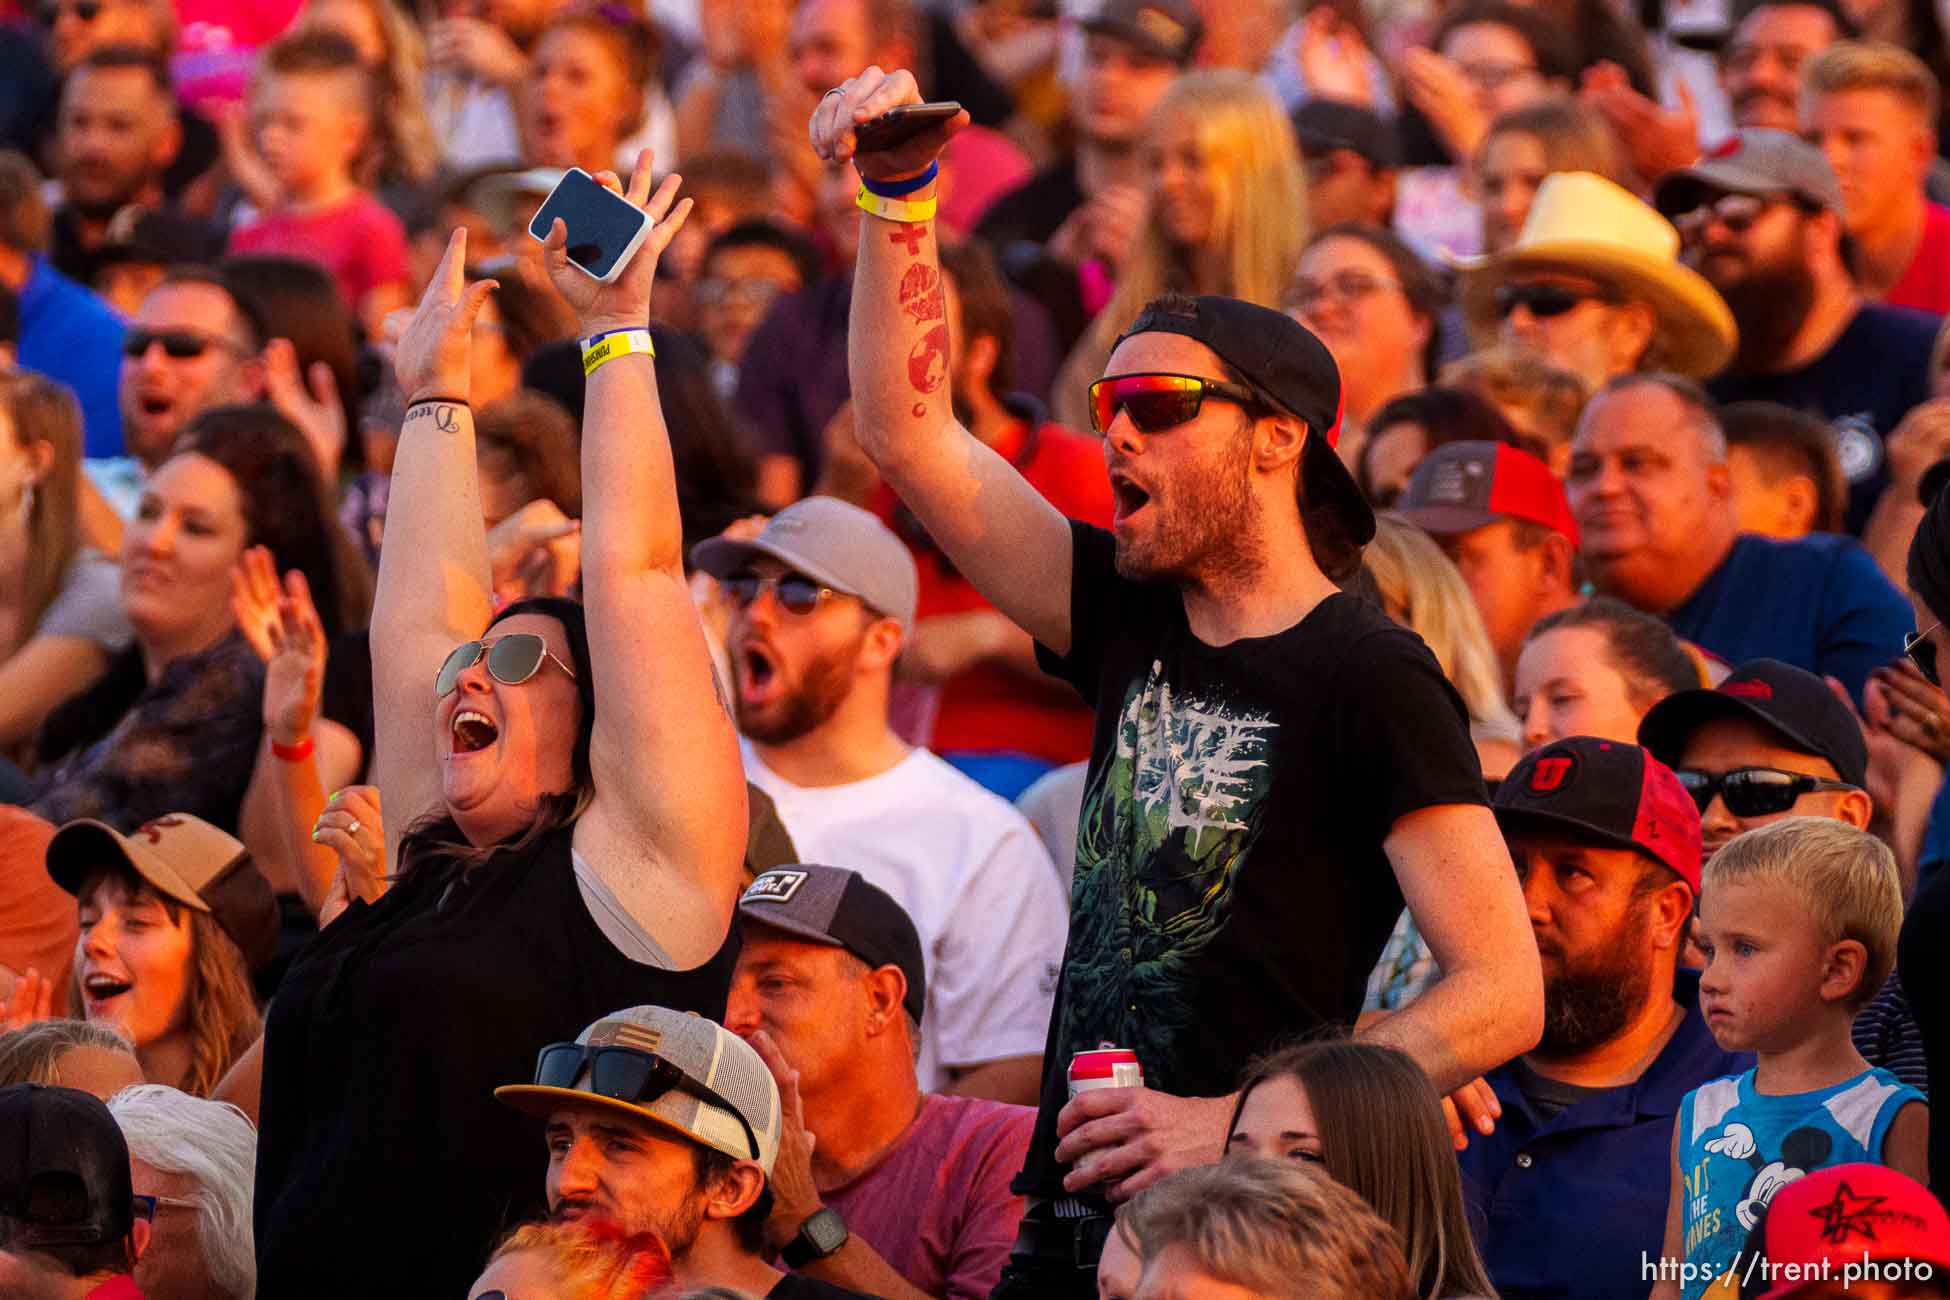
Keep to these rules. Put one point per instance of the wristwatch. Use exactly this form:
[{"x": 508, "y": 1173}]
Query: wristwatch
[{"x": 820, "y": 1236}]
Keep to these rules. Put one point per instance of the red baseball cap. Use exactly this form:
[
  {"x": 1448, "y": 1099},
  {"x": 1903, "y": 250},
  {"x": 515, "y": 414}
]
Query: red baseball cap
[
  {"x": 1849, "y": 1215},
  {"x": 1604, "y": 792},
  {"x": 1462, "y": 486}
]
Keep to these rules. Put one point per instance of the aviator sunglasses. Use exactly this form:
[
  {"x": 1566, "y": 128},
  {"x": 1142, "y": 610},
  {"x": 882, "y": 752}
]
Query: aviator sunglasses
[
  {"x": 1753, "y": 791},
  {"x": 511, "y": 660},
  {"x": 626, "y": 1074},
  {"x": 798, "y": 595},
  {"x": 1158, "y": 402}
]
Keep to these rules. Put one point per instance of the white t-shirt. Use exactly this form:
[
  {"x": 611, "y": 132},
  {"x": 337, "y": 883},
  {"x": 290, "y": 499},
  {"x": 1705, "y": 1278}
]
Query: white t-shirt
[{"x": 974, "y": 877}]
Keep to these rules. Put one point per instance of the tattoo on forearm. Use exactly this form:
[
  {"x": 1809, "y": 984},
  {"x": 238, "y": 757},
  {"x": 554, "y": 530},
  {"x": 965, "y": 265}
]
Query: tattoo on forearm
[
  {"x": 444, "y": 416},
  {"x": 910, "y": 235},
  {"x": 927, "y": 361},
  {"x": 920, "y": 293}
]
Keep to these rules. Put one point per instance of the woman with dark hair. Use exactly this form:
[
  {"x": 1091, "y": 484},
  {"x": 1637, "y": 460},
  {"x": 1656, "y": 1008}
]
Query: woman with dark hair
[
  {"x": 172, "y": 725},
  {"x": 1373, "y": 302},
  {"x": 566, "y": 817},
  {"x": 1414, "y": 424},
  {"x": 1372, "y": 1120}
]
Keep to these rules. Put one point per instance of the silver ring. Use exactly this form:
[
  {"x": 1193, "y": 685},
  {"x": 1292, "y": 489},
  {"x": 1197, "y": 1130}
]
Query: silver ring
[
  {"x": 353, "y": 829},
  {"x": 834, "y": 91}
]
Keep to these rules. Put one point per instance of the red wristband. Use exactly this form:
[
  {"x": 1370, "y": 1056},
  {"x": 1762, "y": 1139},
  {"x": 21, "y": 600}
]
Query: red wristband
[{"x": 297, "y": 753}]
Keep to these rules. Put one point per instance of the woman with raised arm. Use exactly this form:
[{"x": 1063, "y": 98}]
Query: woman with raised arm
[{"x": 566, "y": 821}]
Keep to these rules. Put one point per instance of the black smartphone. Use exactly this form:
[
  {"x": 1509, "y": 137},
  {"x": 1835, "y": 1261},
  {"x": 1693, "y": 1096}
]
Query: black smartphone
[
  {"x": 897, "y": 126},
  {"x": 604, "y": 229}
]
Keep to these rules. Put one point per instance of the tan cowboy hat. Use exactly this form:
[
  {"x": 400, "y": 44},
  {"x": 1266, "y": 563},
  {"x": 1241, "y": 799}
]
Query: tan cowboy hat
[{"x": 1581, "y": 224}]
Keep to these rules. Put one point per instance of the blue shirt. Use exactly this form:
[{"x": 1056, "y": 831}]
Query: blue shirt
[
  {"x": 1818, "y": 602},
  {"x": 70, "y": 334},
  {"x": 1572, "y": 1205},
  {"x": 1738, "y": 1147},
  {"x": 1877, "y": 368}
]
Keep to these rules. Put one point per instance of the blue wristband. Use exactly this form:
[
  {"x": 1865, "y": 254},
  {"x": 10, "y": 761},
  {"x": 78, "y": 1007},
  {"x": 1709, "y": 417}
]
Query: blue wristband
[
  {"x": 898, "y": 189},
  {"x": 594, "y": 339}
]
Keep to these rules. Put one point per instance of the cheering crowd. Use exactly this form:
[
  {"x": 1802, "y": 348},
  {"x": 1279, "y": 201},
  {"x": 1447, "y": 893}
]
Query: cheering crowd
[{"x": 1291, "y": 651}]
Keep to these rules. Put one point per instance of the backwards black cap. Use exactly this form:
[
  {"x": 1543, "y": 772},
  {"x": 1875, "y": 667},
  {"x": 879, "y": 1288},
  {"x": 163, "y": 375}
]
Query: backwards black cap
[
  {"x": 64, "y": 1169},
  {"x": 1292, "y": 370}
]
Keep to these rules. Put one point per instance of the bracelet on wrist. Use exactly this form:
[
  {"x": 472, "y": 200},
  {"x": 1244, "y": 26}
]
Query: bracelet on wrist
[
  {"x": 437, "y": 399},
  {"x": 906, "y": 211},
  {"x": 611, "y": 344},
  {"x": 901, "y": 189},
  {"x": 297, "y": 753}
]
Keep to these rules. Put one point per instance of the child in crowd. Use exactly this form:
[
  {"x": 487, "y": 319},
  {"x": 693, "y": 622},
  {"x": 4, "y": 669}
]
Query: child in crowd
[
  {"x": 1798, "y": 923},
  {"x": 312, "y": 108}
]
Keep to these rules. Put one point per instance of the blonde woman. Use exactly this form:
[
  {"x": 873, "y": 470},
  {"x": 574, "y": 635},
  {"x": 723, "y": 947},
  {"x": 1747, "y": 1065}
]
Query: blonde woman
[
  {"x": 1226, "y": 214},
  {"x": 1422, "y": 591},
  {"x": 575, "y": 1261}
]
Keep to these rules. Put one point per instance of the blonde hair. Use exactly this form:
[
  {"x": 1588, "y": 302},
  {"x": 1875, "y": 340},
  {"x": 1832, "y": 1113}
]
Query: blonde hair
[
  {"x": 1260, "y": 216},
  {"x": 1424, "y": 593},
  {"x": 1274, "y": 1227},
  {"x": 1847, "y": 879},
  {"x": 1873, "y": 65},
  {"x": 41, "y": 410},
  {"x": 594, "y": 1261},
  {"x": 32, "y": 1053},
  {"x": 1383, "y": 1136}
]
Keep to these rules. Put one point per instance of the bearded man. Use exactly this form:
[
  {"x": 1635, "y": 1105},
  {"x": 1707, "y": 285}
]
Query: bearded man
[
  {"x": 1607, "y": 843},
  {"x": 822, "y": 604}
]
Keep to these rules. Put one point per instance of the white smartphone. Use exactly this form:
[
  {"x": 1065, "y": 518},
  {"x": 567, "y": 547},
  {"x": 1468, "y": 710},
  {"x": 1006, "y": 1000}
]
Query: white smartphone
[{"x": 605, "y": 229}]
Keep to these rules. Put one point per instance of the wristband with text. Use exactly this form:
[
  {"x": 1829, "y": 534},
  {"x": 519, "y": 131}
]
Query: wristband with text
[
  {"x": 907, "y": 211},
  {"x": 297, "y": 753},
  {"x": 901, "y": 189},
  {"x": 614, "y": 344}
]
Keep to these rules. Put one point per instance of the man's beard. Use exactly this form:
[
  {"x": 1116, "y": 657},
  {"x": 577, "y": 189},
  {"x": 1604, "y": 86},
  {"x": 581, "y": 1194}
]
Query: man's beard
[
  {"x": 1595, "y": 997},
  {"x": 1207, "y": 537},
  {"x": 1770, "y": 302},
  {"x": 678, "y": 1228},
  {"x": 825, "y": 686}
]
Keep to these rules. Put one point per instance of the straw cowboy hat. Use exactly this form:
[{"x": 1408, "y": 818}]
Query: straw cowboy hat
[{"x": 1584, "y": 225}]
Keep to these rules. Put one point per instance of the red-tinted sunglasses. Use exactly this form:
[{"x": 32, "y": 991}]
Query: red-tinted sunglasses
[{"x": 1158, "y": 402}]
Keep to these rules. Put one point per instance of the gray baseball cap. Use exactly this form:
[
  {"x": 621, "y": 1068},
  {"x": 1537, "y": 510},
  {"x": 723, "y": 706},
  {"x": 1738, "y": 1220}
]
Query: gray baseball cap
[
  {"x": 830, "y": 542},
  {"x": 1756, "y": 160},
  {"x": 706, "y": 1053}
]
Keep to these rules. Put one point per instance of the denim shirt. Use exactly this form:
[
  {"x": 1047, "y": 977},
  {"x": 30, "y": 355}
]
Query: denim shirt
[{"x": 1575, "y": 1205}]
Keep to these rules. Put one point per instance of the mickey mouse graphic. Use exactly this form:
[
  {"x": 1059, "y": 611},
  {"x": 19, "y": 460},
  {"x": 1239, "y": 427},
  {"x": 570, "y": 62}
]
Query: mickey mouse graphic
[{"x": 1802, "y": 1149}]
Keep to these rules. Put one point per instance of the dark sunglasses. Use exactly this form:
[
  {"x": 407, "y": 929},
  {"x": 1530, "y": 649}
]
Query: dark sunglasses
[
  {"x": 798, "y": 595},
  {"x": 179, "y": 344},
  {"x": 1158, "y": 402},
  {"x": 87, "y": 10},
  {"x": 1543, "y": 300},
  {"x": 1753, "y": 791},
  {"x": 145, "y": 1206},
  {"x": 511, "y": 660},
  {"x": 626, "y": 1074},
  {"x": 1736, "y": 212},
  {"x": 1922, "y": 652}
]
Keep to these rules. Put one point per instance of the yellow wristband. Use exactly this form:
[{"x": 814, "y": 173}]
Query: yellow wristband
[
  {"x": 910, "y": 211},
  {"x": 617, "y": 343}
]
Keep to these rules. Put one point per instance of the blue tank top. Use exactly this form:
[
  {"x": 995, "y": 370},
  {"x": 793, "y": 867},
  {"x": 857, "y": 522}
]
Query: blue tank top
[{"x": 1738, "y": 1147}]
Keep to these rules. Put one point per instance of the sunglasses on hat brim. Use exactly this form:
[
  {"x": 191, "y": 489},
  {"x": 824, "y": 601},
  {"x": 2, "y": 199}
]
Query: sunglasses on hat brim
[
  {"x": 1157, "y": 402},
  {"x": 511, "y": 660},
  {"x": 627, "y": 1074},
  {"x": 1753, "y": 791}
]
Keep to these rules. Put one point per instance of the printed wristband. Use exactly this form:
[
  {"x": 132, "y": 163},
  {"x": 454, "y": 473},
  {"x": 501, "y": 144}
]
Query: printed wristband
[
  {"x": 297, "y": 753},
  {"x": 616, "y": 343},
  {"x": 906, "y": 211},
  {"x": 901, "y": 189}
]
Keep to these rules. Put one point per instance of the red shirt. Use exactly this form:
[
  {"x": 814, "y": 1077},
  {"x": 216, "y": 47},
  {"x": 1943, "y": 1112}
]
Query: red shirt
[
  {"x": 1926, "y": 284},
  {"x": 360, "y": 242},
  {"x": 117, "y": 1288},
  {"x": 990, "y": 709}
]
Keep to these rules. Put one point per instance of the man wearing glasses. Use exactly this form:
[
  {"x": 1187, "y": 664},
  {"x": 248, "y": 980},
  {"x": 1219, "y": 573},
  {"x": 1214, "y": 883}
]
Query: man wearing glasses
[
  {"x": 1761, "y": 217},
  {"x": 1275, "y": 765},
  {"x": 663, "y": 1121}
]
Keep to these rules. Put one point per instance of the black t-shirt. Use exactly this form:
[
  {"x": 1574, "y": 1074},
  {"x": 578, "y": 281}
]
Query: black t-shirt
[
  {"x": 1231, "y": 890},
  {"x": 797, "y": 1286},
  {"x": 1874, "y": 372}
]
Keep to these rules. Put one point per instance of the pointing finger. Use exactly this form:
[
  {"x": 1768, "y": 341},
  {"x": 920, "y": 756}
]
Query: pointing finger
[{"x": 451, "y": 274}]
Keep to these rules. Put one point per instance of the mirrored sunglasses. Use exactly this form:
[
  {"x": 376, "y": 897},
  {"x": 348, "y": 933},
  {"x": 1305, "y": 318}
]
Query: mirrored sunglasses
[
  {"x": 511, "y": 660},
  {"x": 1157, "y": 402}
]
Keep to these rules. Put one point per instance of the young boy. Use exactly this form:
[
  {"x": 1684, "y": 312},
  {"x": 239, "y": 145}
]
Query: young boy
[
  {"x": 311, "y": 110},
  {"x": 1798, "y": 921}
]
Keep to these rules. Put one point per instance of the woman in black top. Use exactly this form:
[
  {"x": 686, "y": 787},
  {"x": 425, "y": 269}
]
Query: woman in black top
[{"x": 572, "y": 838}]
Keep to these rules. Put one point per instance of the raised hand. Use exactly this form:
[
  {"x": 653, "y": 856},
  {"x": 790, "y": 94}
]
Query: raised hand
[
  {"x": 795, "y": 1196},
  {"x": 283, "y": 626},
  {"x": 625, "y": 302},
  {"x": 32, "y": 999},
  {"x": 312, "y": 403},
  {"x": 1439, "y": 88},
  {"x": 435, "y": 351},
  {"x": 863, "y": 98},
  {"x": 351, "y": 826},
  {"x": 1333, "y": 57},
  {"x": 535, "y": 551},
  {"x": 479, "y": 49}
]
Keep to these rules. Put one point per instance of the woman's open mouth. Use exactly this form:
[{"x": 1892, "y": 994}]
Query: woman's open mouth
[
  {"x": 101, "y": 989},
  {"x": 473, "y": 731}
]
